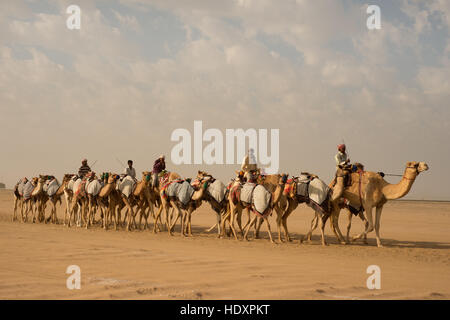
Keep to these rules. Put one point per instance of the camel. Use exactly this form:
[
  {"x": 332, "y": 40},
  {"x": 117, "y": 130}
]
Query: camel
[
  {"x": 164, "y": 179},
  {"x": 369, "y": 190},
  {"x": 19, "y": 198},
  {"x": 276, "y": 190},
  {"x": 93, "y": 187},
  {"x": 145, "y": 197},
  {"x": 142, "y": 197},
  {"x": 272, "y": 183},
  {"x": 68, "y": 195},
  {"x": 109, "y": 199},
  {"x": 189, "y": 207},
  {"x": 27, "y": 203},
  {"x": 38, "y": 197},
  {"x": 79, "y": 201},
  {"x": 290, "y": 201},
  {"x": 56, "y": 197},
  {"x": 220, "y": 208}
]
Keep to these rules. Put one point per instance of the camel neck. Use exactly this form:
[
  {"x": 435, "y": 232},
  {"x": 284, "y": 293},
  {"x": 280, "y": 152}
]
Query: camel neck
[{"x": 400, "y": 189}]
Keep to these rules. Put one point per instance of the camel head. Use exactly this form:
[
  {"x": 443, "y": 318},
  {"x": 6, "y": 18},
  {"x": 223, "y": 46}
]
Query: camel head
[
  {"x": 112, "y": 178},
  {"x": 418, "y": 167},
  {"x": 42, "y": 178},
  {"x": 146, "y": 176},
  {"x": 34, "y": 180},
  {"x": 283, "y": 178},
  {"x": 67, "y": 177}
]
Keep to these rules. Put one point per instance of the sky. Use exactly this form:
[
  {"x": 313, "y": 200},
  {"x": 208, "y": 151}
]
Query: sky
[{"x": 136, "y": 70}]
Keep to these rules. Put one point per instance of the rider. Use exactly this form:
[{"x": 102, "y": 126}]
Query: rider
[
  {"x": 249, "y": 164},
  {"x": 341, "y": 157},
  {"x": 158, "y": 166},
  {"x": 130, "y": 171},
  {"x": 84, "y": 169}
]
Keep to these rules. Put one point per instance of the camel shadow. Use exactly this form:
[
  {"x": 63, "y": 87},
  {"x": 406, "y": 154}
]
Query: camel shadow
[{"x": 393, "y": 243}]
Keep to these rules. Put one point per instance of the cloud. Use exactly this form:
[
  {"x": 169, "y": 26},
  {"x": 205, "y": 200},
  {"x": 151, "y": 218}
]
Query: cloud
[{"x": 95, "y": 91}]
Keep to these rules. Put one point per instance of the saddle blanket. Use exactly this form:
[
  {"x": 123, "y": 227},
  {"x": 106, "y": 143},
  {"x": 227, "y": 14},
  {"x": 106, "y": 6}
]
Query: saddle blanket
[
  {"x": 302, "y": 185},
  {"x": 126, "y": 186},
  {"x": 27, "y": 189},
  {"x": 247, "y": 191},
  {"x": 51, "y": 187},
  {"x": 20, "y": 186},
  {"x": 318, "y": 191},
  {"x": 217, "y": 190},
  {"x": 183, "y": 191},
  {"x": 78, "y": 187},
  {"x": 261, "y": 198},
  {"x": 93, "y": 187}
]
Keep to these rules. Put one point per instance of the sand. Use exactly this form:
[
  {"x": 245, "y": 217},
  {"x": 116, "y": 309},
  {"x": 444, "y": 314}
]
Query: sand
[{"x": 415, "y": 262}]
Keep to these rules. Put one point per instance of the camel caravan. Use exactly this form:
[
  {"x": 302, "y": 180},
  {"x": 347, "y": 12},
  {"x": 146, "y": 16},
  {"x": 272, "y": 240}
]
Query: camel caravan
[{"x": 164, "y": 198}]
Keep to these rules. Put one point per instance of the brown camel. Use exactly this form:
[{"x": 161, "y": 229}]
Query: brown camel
[
  {"x": 146, "y": 199},
  {"x": 290, "y": 201},
  {"x": 276, "y": 190},
  {"x": 143, "y": 198},
  {"x": 192, "y": 204},
  {"x": 370, "y": 190},
  {"x": 56, "y": 197},
  {"x": 18, "y": 198},
  {"x": 109, "y": 199},
  {"x": 37, "y": 198},
  {"x": 272, "y": 183},
  {"x": 27, "y": 202},
  {"x": 164, "y": 179},
  {"x": 219, "y": 207},
  {"x": 79, "y": 202}
]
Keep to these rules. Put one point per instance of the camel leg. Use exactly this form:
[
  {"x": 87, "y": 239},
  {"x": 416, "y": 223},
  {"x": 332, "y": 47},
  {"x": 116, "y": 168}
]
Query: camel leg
[
  {"x": 279, "y": 222},
  {"x": 349, "y": 224},
  {"x": 253, "y": 221},
  {"x": 322, "y": 221},
  {"x": 378, "y": 211},
  {"x": 233, "y": 218},
  {"x": 225, "y": 217},
  {"x": 366, "y": 225},
  {"x": 314, "y": 223},
  {"x": 284, "y": 218},
  {"x": 218, "y": 216},
  {"x": 334, "y": 223},
  {"x": 370, "y": 226},
  {"x": 258, "y": 225},
  {"x": 268, "y": 229},
  {"x": 157, "y": 218},
  {"x": 15, "y": 208}
]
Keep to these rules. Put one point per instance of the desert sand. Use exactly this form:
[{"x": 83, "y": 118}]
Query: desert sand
[{"x": 415, "y": 262}]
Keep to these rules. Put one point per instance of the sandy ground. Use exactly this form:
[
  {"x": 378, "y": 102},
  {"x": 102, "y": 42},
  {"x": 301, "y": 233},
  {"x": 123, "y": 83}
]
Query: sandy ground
[{"x": 415, "y": 262}]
